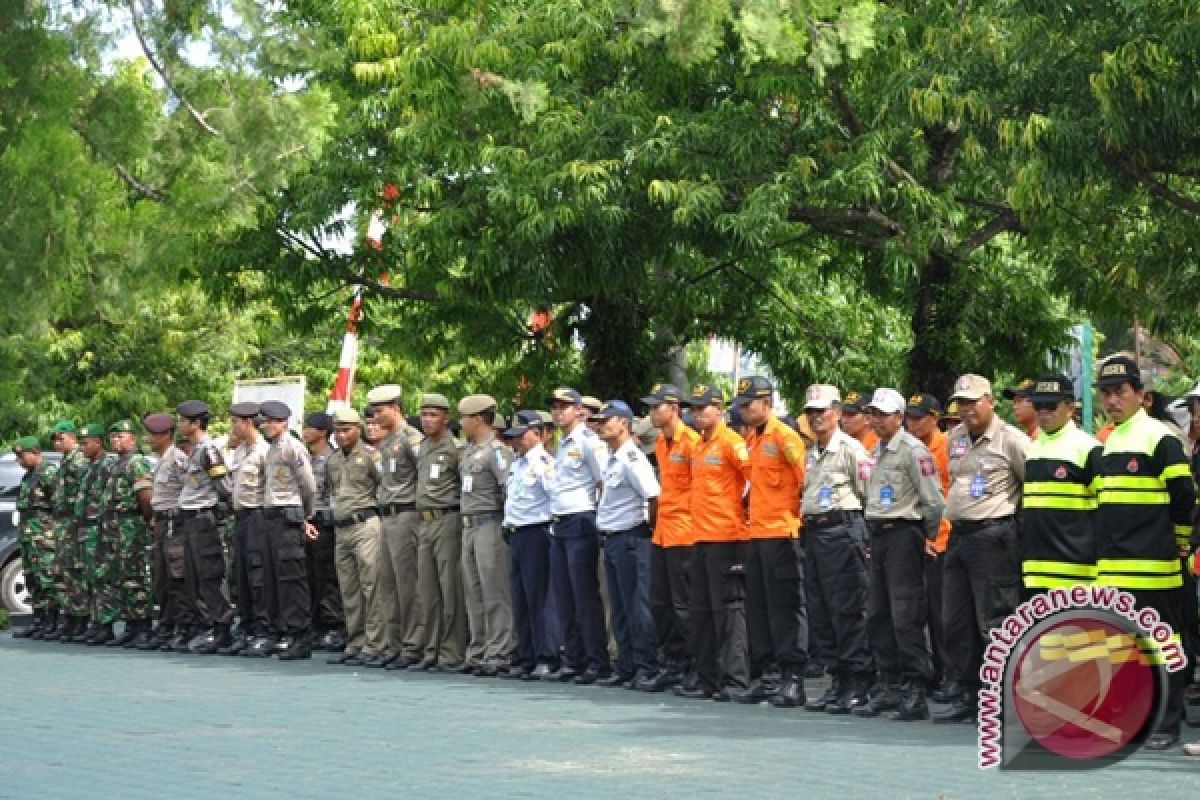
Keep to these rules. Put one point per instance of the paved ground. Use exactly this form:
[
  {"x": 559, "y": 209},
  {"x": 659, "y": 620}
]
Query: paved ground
[{"x": 118, "y": 724}]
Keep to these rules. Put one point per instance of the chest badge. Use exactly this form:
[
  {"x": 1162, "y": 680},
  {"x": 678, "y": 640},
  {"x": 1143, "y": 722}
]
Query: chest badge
[
  {"x": 1061, "y": 472},
  {"x": 1132, "y": 466}
]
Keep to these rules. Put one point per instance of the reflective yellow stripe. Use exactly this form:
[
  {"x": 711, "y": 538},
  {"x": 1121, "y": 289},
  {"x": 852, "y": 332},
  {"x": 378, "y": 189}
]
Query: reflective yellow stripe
[
  {"x": 1141, "y": 582},
  {"x": 1062, "y": 503},
  {"x": 1130, "y": 482},
  {"x": 1060, "y": 568},
  {"x": 1176, "y": 471},
  {"x": 1183, "y": 535},
  {"x": 1128, "y": 498},
  {"x": 1049, "y": 487},
  {"x": 1138, "y": 565}
]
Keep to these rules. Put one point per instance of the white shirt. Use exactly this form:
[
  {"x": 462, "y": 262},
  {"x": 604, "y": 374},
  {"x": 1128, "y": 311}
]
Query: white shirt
[
  {"x": 629, "y": 483},
  {"x": 578, "y": 469}
]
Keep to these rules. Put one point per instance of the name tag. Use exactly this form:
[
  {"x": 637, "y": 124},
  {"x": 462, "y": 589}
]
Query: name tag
[
  {"x": 434, "y": 471},
  {"x": 468, "y": 482}
]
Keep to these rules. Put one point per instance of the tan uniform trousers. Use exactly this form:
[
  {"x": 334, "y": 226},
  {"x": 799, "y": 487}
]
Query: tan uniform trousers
[
  {"x": 358, "y": 559},
  {"x": 398, "y": 585},
  {"x": 486, "y": 589},
  {"x": 439, "y": 584}
]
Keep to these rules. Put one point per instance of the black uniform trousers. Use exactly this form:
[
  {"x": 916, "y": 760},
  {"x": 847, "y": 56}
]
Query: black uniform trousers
[
  {"x": 896, "y": 605},
  {"x": 776, "y": 609},
  {"x": 528, "y": 576},
  {"x": 836, "y": 585},
  {"x": 324, "y": 594},
  {"x": 669, "y": 603},
  {"x": 285, "y": 572},
  {"x": 981, "y": 586},
  {"x": 574, "y": 579},
  {"x": 248, "y": 554},
  {"x": 205, "y": 596},
  {"x": 933, "y": 611},
  {"x": 717, "y": 591},
  {"x": 159, "y": 571},
  {"x": 1171, "y": 606}
]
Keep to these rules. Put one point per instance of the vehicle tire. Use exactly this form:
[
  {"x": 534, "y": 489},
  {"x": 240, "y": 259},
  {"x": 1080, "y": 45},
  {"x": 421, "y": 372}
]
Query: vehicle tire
[{"x": 13, "y": 594}]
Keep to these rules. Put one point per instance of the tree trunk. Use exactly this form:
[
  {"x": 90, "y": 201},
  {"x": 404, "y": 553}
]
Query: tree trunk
[
  {"x": 936, "y": 319},
  {"x": 617, "y": 358}
]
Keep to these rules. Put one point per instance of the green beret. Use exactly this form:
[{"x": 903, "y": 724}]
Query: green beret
[
  {"x": 64, "y": 426},
  {"x": 26, "y": 443},
  {"x": 93, "y": 430},
  {"x": 122, "y": 426}
]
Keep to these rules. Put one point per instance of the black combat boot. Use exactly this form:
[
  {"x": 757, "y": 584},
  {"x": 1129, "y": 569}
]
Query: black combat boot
[
  {"x": 829, "y": 697},
  {"x": 49, "y": 629},
  {"x": 126, "y": 635},
  {"x": 790, "y": 694},
  {"x": 143, "y": 637},
  {"x": 887, "y": 698},
  {"x": 102, "y": 636},
  {"x": 914, "y": 707}
]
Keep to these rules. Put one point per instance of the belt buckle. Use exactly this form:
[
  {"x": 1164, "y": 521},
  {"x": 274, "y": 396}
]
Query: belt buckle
[{"x": 428, "y": 515}]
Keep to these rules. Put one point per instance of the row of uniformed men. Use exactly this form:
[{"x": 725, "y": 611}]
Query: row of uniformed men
[{"x": 717, "y": 581}]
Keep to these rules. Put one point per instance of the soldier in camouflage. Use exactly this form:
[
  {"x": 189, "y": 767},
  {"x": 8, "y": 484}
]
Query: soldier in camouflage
[
  {"x": 64, "y": 492},
  {"x": 37, "y": 537},
  {"x": 93, "y": 568},
  {"x": 125, "y": 531}
]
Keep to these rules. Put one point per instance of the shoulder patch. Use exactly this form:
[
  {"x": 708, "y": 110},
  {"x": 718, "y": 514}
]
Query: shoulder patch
[
  {"x": 927, "y": 466},
  {"x": 632, "y": 456},
  {"x": 741, "y": 452},
  {"x": 792, "y": 452}
]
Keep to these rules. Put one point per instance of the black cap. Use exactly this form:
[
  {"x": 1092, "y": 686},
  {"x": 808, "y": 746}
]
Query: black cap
[
  {"x": 565, "y": 394},
  {"x": 704, "y": 394},
  {"x": 752, "y": 388},
  {"x": 663, "y": 393},
  {"x": 922, "y": 404},
  {"x": 1050, "y": 389},
  {"x": 855, "y": 401},
  {"x": 273, "y": 409},
  {"x": 159, "y": 423},
  {"x": 1118, "y": 370},
  {"x": 522, "y": 422},
  {"x": 319, "y": 420},
  {"x": 1022, "y": 389},
  {"x": 244, "y": 410},
  {"x": 193, "y": 409}
]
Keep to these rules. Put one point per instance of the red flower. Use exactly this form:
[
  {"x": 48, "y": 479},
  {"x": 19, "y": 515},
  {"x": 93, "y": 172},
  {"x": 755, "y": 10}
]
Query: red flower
[{"x": 390, "y": 191}]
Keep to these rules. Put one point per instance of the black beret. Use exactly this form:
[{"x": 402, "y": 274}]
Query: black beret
[
  {"x": 193, "y": 409},
  {"x": 273, "y": 409},
  {"x": 244, "y": 410},
  {"x": 319, "y": 420}
]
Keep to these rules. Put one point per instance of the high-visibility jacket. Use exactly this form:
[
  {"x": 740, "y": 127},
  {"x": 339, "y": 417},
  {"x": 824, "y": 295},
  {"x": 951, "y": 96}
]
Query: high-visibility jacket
[
  {"x": 1147, "y": 499},
  {"x": 1058, "y": 536}
]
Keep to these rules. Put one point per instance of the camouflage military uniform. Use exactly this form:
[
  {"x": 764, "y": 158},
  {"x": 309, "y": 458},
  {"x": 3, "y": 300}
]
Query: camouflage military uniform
[
  {"x": 68, "y": 482},
  {"x": 124, "y": 538},
  {"x": 93, "y": 565},
  {"x": 37, "y": 535}
]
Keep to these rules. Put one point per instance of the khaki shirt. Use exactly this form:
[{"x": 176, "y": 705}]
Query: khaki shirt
[
  {"x": 835, "y": 479},
  {"x": 354, "y": 477},
  {"x": 290, "y": 480},
  {"x": 986, "y": 476},
  {"x": 168, "y": 479},
  {"x": 399, "y": 454},
  {"x": 438, "y": 481},
  {"x": 904, "y": 484},
  {"x": 484, "y": 470},
  {"x": 206, "y": 479},
  {"x": 247, "y": 468}
]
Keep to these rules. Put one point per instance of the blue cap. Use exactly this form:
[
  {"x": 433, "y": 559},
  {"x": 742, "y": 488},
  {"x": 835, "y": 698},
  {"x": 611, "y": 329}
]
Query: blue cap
[
  {"x": 614, "y": 408},
  {"x": 522, "y": 422},
  {"x": 565, "y": 394}
]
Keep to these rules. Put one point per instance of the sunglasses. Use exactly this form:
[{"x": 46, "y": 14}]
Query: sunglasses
[{"x": 1044, "y": 405}]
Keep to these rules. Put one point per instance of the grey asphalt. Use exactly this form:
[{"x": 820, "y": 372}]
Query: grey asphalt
[{"x": 104, "y": 723}]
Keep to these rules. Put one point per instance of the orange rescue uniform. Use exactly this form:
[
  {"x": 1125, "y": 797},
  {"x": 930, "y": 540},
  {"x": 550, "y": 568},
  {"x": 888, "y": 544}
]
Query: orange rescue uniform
[
  {"x": 869, "y": 439},
  {"x": 719, "y": 464},
  {"x": 673, "y": 526},
  {"x": 776, "y": 476},
  {"x": 939, "y": 449}
]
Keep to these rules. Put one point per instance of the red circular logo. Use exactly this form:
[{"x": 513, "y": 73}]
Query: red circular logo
[{"x": 1083, "y": 689}]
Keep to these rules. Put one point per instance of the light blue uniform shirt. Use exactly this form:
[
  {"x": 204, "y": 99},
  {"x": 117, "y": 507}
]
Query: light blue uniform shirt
[
  {"x": 527, "y": 499},
  {"x": 629, "y": 483},
  {"x": 578, "y": 470}
]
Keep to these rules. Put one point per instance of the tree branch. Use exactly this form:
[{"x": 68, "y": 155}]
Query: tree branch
[
  {"x": 143, "y": 189},
  {"x": 848, "y": 224},
  {"x": 994, "y": 227},
  {"x": 944, "y": 143},
  {"x": 1153, "y": 185},
  {"x": 161, "y": 69},
  {"x": 342, "y": 267}
]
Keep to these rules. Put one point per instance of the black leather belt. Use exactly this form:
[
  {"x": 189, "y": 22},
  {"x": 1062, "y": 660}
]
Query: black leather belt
[
  {"x": 356, "y": 518},
  {"x": 969, "y": 526},
  {"x": 388, "y": 509},
  {"x": 511, "y": 529},
  {"x": 245, "y": 513},
  {"x": 430, "y": 514},
  {"x": 830, "y": 519},
  {"x": 892, "y": 524},
  {"x": 473, "y": 520},
  {"x": 195, "y": 512},
  {"x": 642, "y": 531},
  {"x": 277, "y": 512}
]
